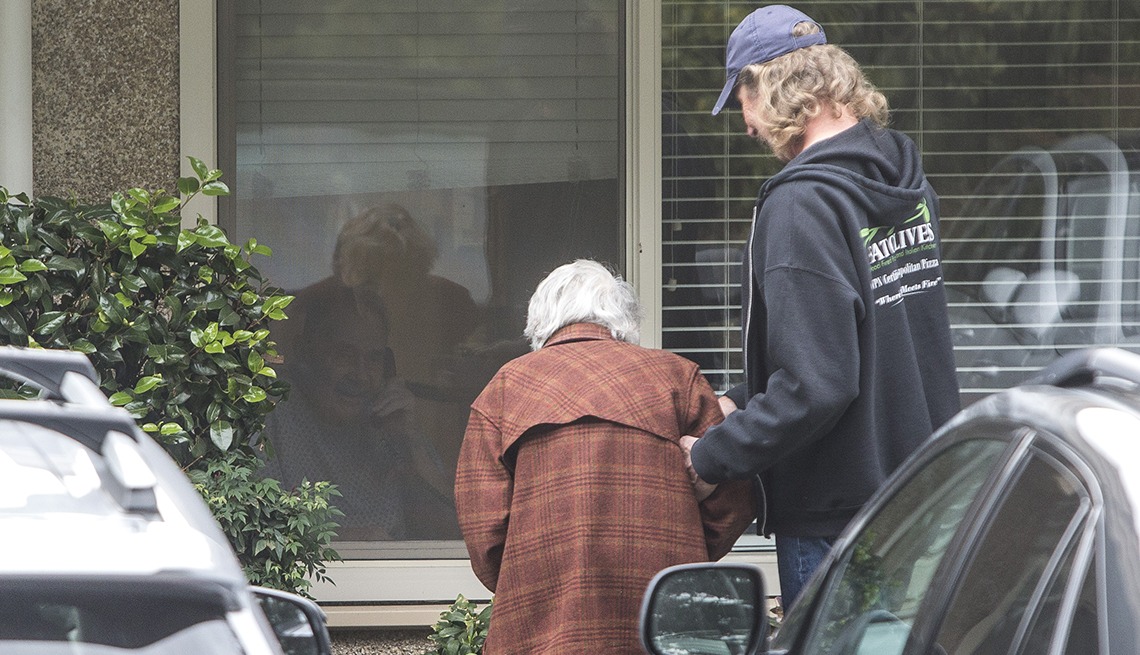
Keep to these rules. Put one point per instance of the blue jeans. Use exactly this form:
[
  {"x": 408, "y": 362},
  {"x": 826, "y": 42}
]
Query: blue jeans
[{"x": 797, "y": 558}]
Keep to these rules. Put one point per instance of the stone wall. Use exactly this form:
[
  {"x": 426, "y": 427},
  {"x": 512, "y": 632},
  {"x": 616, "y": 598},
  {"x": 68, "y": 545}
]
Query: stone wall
[{"x": 104, "y": 96}]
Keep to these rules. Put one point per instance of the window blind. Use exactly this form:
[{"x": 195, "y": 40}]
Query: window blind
[
  {"x": 1026, "y": 113},
  {"x": 362, "y": 97}
]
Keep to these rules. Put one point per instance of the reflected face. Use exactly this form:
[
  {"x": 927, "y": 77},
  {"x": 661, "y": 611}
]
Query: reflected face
[
  {"x": 349, "y": 369},
  {"x": 382, "y": 245}
]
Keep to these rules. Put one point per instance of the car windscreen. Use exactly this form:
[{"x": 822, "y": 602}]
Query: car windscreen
[
  {"x": 43, "y": 471},
  {"x": 81, "y": 617}
]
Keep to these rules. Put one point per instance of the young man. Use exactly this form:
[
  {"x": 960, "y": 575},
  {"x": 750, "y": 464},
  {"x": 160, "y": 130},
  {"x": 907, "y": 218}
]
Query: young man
[
  {"x": 847, "y": 351},
  {"x": 571, "y": 489}
]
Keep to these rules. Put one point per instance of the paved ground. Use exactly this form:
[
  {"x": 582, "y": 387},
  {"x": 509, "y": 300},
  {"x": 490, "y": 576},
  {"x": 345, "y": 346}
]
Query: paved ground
[{"x": 381, "y": 642}]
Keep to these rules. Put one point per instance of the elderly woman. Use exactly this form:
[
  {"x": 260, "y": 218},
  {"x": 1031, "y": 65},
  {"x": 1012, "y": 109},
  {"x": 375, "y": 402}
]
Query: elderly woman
[{"x": 571, "y": 488}]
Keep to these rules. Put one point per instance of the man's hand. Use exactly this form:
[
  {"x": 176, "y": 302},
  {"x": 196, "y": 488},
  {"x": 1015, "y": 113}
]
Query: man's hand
[
  {"x": 727, "y": 406},
  {"x": 701, "y": 488}
]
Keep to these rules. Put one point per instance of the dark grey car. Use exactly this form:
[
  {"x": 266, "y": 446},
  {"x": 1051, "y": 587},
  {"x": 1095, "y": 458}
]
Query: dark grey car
[{"x": 1014, "y": 530}]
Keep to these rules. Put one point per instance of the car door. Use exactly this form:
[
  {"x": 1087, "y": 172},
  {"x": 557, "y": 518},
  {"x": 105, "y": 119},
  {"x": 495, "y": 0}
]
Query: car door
[{"x": 982, "y": 547}]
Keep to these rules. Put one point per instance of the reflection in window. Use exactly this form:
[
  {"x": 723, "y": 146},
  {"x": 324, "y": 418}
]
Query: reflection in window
[
  {"x": 416, "y": 169},
  {"x": 878, "y": 583},
  {"x": 50, "y": 618}
]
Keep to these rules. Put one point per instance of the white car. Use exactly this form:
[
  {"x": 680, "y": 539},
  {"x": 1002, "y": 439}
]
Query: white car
[{"x": 106, "y": 547}]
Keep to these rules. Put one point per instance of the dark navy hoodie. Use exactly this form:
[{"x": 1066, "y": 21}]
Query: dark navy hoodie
[{"x": 848, "y": 359}]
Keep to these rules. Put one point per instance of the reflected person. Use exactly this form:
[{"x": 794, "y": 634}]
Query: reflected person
[
  {"x": 385, "y": 251},
  {"x": 571, "y": 489},
  {"x": 347, "y": 421}
]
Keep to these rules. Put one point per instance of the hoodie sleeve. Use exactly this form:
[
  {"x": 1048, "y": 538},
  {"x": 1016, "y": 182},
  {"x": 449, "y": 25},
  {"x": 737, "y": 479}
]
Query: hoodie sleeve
[
  {"x": 812, "y": 354},
  {"x": 728, "y": 512}
]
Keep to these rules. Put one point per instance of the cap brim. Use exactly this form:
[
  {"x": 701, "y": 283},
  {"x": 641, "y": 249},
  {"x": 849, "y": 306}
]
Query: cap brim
[{"x": 725, "y": 95}]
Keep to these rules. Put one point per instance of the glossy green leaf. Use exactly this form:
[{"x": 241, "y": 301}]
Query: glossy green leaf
[
  {"x": 222, "y": 434},
  {"x": 58, "y": 263},
  {"x": 120, "y": 398},
  {"x": 186, "y": 239},
  {"x": 139, "y": 194},
  {"x": 131, "y": 284},
  {"x": 227, "y": 316},
  {"x": 118, "y": 202},
  {"x": 188, "y": 185},
  {"x": 211, "y": 236},
  {"x": 215, "y": 188},
  {"x": 137, "y": 249},
  {"x": 133, "y": 218},
  {"x": 32, "y": 265},
  {"x": 147, "y": 383},
  {"x": 9, "y": 275},
  {"x": 200, "y": 168},
  {"x": 254, "y": 395},
  {"x": 50, "y": 322},
  {"x": 164, "y": 204}
]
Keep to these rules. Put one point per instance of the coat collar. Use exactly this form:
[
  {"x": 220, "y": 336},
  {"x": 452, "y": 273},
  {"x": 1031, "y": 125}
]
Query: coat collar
[{"x": 578, "y": 332}]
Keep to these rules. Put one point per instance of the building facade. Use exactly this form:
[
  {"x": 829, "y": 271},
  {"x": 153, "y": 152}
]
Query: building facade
[{"x": 443, "y": 156}]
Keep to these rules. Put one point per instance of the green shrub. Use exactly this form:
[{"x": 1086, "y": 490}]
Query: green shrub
[
  {"x": 280, "y": 536},
  {"x": 176, "y": 323},
  {"x": 460, "y": 630}
]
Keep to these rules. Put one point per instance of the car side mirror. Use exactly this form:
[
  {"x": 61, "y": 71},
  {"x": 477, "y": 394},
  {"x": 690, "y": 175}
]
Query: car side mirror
[
  {"x": 298, "y": 622},
  {"x": 705, "y": 609}
]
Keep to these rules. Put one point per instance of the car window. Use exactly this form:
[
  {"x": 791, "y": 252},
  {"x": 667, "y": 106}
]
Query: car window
[
  {"x": 879, "y": 582},
  {"x": 1012, "y": 564},
  {"x": 43, "y": 471},
  {"x": 111, "y": 619},
  {"x": 1130, "y": 305},
  {"x": 1082, "y": 629}
]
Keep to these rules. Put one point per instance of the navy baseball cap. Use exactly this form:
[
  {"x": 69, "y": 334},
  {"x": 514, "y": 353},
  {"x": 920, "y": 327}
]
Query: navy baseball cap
[{"x": 762, "y": 36}]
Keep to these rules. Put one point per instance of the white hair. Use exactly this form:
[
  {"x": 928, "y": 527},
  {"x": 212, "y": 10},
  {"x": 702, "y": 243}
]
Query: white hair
[{"x": 583, "y": 291}]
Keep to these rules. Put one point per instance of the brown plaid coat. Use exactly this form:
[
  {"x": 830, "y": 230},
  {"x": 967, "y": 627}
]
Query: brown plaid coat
[{"x": 572, "y": 493}]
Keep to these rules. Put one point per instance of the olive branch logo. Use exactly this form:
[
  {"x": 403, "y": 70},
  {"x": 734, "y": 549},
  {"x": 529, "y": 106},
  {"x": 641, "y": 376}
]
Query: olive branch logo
[{"x": 923, "y": 212}]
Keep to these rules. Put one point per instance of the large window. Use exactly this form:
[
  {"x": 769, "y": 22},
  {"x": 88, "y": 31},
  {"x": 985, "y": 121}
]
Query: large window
[
  {"x": 416, "y": 167},
  {"x": 1027, "y": 113}
]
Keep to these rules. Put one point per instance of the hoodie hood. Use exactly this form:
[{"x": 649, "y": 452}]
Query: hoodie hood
[{"x": 880, "y": 169}]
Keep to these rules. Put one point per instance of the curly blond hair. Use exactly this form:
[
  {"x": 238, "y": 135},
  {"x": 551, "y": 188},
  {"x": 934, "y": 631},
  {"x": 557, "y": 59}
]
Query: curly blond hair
[{"x": 792, "y": 89}]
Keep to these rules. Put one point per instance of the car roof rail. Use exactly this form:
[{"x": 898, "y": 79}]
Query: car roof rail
[
  {"x": 1083, "y": 366},
  {"x": 48, "y": 369}
]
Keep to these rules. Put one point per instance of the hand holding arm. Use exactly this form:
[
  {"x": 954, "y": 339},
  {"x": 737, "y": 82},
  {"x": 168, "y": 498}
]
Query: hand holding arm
[
  {"x": 701, "y": 489},
  {"x": 727, "y": 405}
]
